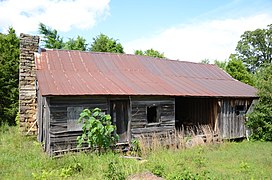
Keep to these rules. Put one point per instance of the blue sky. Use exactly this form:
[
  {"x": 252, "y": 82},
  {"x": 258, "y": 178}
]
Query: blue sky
[{"x": 184, "y": 30}]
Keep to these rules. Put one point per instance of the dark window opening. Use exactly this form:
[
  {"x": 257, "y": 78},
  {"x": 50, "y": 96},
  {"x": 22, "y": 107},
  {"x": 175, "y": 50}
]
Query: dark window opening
[
  {"x": 152, "y": 116},
  {"x": 240, "y": 109}
]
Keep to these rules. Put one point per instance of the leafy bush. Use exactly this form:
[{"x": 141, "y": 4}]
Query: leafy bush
[
  {"x": 98, "y": 131},
  {"x": 135, "y": 148},
  {"x": 260, "y": 120},
  {"x": 114, "y": 171}
]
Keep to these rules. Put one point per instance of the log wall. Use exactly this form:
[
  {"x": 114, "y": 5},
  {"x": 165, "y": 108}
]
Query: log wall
[
  {"x": 56, "y": 115},
  {"x": 139, "y": 123},
  {"x": 60, "y": 135}
]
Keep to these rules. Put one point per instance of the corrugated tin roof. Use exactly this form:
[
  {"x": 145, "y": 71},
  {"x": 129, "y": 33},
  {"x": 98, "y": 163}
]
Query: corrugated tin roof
[{"x": 66, "y": 72}]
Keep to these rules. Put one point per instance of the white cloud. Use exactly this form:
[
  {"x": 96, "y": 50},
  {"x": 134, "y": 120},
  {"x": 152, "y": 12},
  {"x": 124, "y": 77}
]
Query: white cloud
[
  {"x": 63, "y": 15},
  {"x": 213, "y": 39}
]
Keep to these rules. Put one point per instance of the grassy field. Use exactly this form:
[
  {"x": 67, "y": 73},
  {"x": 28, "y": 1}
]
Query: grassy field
[{"x": 22, "y": 158}]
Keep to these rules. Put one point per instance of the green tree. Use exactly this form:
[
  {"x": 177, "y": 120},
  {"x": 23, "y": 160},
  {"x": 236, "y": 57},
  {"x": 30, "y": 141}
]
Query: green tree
[
  {"x": 76, "y": 44},
  {"x": 260, "y": 120},
  {"x": 255, "y": 48},
  {"x": 103, "y": 43},
  {"x": 9, "y": 75},
  {"x": 238, "y": 71},
  {"x": 221, "y": 64},
  {"x": 51, "y": 38},
  {"x": 139, "y": 52},
  {"x": 205, "y": 61},
  {"x": 149, "y": 52}
]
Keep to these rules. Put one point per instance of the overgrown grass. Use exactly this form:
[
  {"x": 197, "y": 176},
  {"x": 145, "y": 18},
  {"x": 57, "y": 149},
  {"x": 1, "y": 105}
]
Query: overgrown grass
[{"x": 22, "y": 158}]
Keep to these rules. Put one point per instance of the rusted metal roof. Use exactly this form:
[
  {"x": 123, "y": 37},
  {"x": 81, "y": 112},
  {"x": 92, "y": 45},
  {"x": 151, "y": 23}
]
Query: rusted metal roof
[{"x": 66, "y": 72}]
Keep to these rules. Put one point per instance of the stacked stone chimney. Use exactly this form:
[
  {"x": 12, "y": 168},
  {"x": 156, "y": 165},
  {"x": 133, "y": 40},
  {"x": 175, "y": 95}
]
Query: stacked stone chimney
[{"x": 27, "y": 83}]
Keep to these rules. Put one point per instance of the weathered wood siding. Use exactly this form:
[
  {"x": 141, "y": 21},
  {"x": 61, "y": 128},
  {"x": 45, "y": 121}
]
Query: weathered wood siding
[
  {"x": 231, "y": 118},
  {"x": 40, "y": 121},
  {"x": 62, "y": 137},
  {"x": 226, "y": 116},
  {"x": 139, "y": 124},
  {"x": 56, "y": 116}
]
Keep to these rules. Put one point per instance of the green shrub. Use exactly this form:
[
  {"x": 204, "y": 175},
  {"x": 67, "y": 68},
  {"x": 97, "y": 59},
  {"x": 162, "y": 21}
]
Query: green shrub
[
  {"x": 260, "y": 120},
  {"x": 135, "y": 148},
  {"x": 114, "y": 171},
  {"x": 98, "y": 131}
]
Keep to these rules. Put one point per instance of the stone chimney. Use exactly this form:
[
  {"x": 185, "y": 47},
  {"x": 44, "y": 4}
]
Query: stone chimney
[{"x": 27, "y": 83}]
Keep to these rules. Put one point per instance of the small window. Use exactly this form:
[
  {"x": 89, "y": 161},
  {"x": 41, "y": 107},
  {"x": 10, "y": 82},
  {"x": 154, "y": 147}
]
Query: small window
[
  {"x": 239, "y": 110},
  {"x": 152, "y": 115}
]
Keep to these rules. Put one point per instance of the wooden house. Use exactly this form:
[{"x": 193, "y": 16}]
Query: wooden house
[{"x": 142, "y": 94}]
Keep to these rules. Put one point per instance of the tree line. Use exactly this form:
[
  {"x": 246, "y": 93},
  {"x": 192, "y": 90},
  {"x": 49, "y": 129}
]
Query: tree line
[
  {"x": 101, "y": 43},
  {"x": 251, "y": 64}
]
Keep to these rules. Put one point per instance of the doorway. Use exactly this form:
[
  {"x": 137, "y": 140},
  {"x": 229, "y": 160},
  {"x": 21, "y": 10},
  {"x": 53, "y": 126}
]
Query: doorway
[{"x": 119, "y": 115}]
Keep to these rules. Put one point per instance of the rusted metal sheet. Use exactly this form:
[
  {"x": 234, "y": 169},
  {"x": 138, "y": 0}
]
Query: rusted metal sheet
[{"x": 66, "y": 72}]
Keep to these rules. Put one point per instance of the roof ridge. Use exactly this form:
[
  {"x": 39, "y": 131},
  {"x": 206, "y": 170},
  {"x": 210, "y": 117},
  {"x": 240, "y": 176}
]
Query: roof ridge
[{"x": 129, "y": 54}]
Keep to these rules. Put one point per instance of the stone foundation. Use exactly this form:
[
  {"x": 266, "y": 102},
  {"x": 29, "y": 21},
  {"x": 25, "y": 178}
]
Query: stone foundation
[{"x": 27, "y": 83}]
